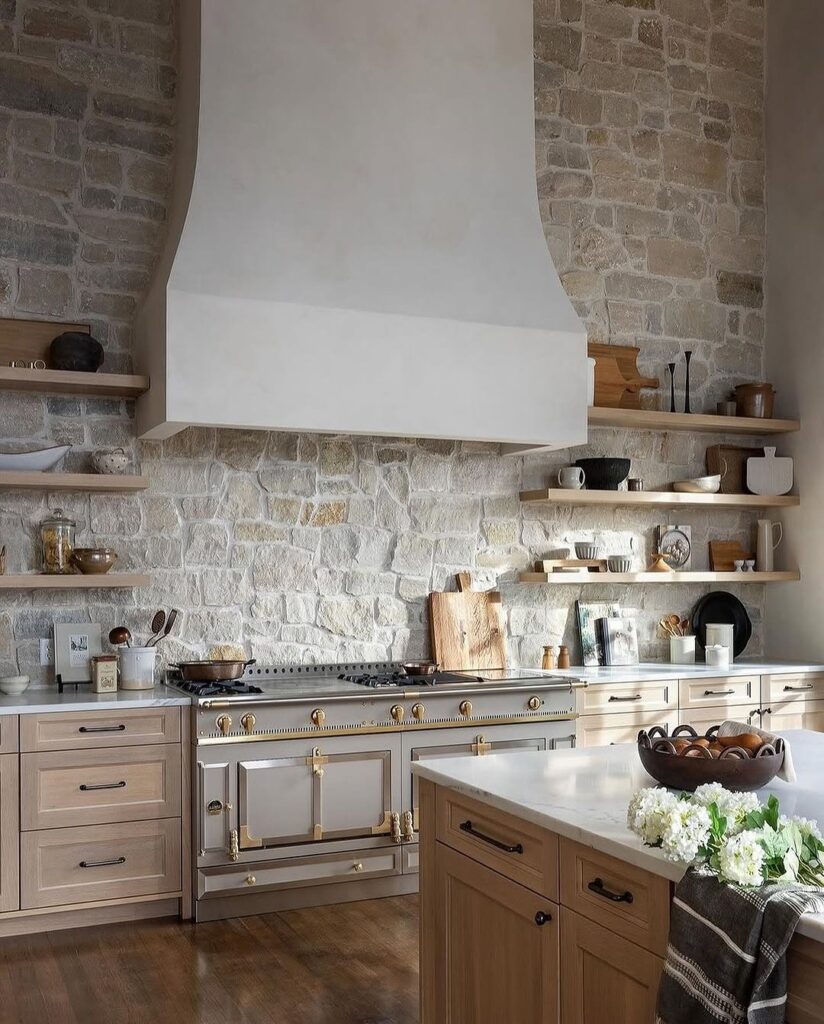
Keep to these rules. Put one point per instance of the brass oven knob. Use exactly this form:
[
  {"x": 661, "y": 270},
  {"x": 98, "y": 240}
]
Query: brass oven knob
[
  {"x": 418, "y": 711},
  {"x": 465, "y": 708},
  {"x": 533, "y": 703},
  {"x": 248, "y": 721},
  {"x": 318, "y": 716},
  {"x": 250, "y": 880},
  {"x": 357, "y": 866},
  {"x": 224, "y": 723},
  {"x": 396, "y": 712}
]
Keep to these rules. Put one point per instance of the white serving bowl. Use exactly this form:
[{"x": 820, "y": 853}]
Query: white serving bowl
[
  {"x": 37, "y": 461},
  {"x": 700, "y": 485},
  {"x": 13, "y": 685}
]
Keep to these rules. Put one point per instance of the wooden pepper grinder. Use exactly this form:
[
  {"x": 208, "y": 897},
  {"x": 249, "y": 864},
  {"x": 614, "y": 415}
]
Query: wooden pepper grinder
[
  {"x": 563, "y": 657},
  {"x": 548, "y": 660}
]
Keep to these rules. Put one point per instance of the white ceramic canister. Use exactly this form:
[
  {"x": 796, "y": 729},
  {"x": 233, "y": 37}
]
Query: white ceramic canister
[
  {"x": 720, "y": 633},
  {"x": 137, "y": 667},
  {"x": 682, "y": 650},
  {"x": 718, "y": 656}
]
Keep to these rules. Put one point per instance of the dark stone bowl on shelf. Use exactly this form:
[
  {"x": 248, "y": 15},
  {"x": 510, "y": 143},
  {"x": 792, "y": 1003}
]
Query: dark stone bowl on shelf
[
  {"x": 604, "y": 474},
  {"x": 73, "y": 350},
  {"x": 734, "y": 769}
]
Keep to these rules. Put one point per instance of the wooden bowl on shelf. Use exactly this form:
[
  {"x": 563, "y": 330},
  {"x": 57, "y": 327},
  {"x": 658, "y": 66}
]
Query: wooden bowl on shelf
[{"x": 685, "y": 760}]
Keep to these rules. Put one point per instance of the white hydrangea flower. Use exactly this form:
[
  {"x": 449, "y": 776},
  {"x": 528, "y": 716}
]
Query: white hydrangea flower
[
  {"x": 807, "y": 826},
  {"x": 733, "y": 806},
  {"x": 686, "y": 828},
  {"x": 741, "y": 859},
  {"x": 645, "y": 815}
]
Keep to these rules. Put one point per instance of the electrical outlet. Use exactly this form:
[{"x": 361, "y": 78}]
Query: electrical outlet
[{"x": 46, "y": 652}]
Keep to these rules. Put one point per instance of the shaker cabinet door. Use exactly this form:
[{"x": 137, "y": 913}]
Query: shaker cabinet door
[
  {"x": 9, "y": 833},
  {"x": 498, "y": 947}
]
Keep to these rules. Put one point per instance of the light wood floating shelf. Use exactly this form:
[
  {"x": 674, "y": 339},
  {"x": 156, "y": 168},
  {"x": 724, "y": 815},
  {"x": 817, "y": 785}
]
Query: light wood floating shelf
[
  {"x": 700, "y": 423},
  {"x": 104, "y": 581},
  {"x": 659, "y": 499},
  {"x": 70, "y": 382},
  {"x": 27, "y": 481},
  {"x": 575, "y": 579}
]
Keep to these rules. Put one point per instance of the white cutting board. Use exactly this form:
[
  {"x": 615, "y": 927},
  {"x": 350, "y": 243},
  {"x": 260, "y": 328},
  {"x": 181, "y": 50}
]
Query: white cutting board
[{"x": 769, "y": 475}]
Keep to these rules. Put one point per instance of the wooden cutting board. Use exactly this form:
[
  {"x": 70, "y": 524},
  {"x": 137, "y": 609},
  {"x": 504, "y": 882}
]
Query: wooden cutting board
[
  {"x": 617, "y": 380},
  {"x": 467, "y": 629},
  {"x": 725, "y": 553}
]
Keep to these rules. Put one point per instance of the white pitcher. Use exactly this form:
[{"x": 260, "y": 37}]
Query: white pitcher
[{"x": 766, "y": 543}]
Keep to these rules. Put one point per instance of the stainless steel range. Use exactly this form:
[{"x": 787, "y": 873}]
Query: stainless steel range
[{"x": 302, "y": 790}]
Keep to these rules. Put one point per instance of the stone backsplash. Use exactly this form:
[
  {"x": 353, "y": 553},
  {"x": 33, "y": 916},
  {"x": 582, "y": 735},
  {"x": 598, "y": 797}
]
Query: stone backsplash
[{"x": 650, "y": 178}]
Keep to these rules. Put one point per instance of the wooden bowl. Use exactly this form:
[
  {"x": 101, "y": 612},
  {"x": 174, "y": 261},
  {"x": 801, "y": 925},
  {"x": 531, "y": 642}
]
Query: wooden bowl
[{"x": 735, "y": 768}]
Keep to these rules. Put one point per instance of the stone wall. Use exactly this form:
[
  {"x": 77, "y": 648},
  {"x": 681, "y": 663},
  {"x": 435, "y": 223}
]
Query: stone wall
[{"x": 312, "y": 548}]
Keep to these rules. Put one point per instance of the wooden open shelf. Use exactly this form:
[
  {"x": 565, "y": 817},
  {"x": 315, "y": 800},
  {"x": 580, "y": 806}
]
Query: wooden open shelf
[
  {"x": 70, "y": 382},
  {"x": 95, "y": 482},
  {"x": 576, "y": 579},
  {"x": 103, "y": 581},
  {"x": 659, "y": 499},
  {"x": 699, "y": 423}
]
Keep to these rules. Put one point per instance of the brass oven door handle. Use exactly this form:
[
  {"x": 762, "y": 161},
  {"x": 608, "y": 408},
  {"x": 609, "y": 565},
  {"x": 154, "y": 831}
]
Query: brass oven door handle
[
  {"x": 718, "y": 693},
  {"x": 102, "y": 863},
  {"x": 597, "y": 886},
  {"x": 466, "y": 826},
  {"x": 798, "y": 689},
  {"x": 616, "y": 700},
  {"x": 102, "y": 728},
  {"x": 86, "y": 788}
]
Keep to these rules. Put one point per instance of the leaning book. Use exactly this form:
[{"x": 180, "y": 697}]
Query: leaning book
[{"x": 619, "y": 640}]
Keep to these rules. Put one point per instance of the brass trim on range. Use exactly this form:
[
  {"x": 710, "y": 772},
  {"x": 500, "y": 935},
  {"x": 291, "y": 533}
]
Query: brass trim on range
[
  {"x": 480, "y": 746},
  {"x": 406, "y": 726},
  {"x": 246, "y": 840},
  {"x": 317, "y": 832},
  {"x": 385, "y": 826}
]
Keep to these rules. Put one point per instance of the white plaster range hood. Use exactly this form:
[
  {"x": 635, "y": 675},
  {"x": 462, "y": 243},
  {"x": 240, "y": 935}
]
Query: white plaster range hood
[{"x": 355, "y": 244}]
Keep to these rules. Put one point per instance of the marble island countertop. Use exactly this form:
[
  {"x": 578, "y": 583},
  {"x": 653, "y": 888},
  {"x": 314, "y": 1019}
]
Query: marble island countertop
[
  {"x": 583, "y": 795},
  {"x": 664, "y": 670}
]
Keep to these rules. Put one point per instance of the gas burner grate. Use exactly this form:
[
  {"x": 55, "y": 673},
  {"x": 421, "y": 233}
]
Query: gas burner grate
[
  {"x": 379, "y": 680},
  {"x": 225, "y": 688}
]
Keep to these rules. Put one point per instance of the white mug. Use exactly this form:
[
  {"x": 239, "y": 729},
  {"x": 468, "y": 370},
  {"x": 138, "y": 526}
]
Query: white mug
[{"x": 571, "y": 478}]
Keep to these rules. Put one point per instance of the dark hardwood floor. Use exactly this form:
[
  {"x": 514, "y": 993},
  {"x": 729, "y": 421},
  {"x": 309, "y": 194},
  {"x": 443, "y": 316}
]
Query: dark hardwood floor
[{"x": 351, "y": 964}]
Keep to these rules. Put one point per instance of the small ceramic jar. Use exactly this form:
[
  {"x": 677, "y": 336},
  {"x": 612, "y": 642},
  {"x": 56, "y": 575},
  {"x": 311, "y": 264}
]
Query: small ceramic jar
[
  {"x": 110, "y": 461},
  {"x": 717, "y": 655}
]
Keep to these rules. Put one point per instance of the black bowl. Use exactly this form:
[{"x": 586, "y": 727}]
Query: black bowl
[
  {"x": 75, "y": 351},
  {"x": 604, "y": 474}
]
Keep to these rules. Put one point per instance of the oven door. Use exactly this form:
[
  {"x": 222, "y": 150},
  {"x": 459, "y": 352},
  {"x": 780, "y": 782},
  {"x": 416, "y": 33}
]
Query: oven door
[{"x": 308, "y": 791}]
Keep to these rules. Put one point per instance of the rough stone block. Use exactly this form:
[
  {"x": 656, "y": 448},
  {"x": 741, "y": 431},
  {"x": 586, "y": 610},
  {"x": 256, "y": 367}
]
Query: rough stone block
[
  {"x": 33, "y": 87},
  {"x": 667, "y": 257},
  {"x": 695, "y": 162},
  {"x": 36, "y": 243},
  {"x": 558, "y": 44},
  {"x": 740, "y": 289},
  {"x": 45, "y": 291},
  {"x": 57, "y": 23},
  {"x": 144, "y": 140},
  {"x": 694, "y": 318}
]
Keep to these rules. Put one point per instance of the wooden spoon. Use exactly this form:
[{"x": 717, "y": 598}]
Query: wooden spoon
[
  {"x": 120, "y": 635},
  {"x": 157, "y": 624}
]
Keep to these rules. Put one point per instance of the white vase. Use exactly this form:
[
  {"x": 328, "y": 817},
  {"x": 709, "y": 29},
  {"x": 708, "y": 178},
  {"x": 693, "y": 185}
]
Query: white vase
[
  {"x": 682, "y": 650},
  {"x": 766, "y": 544}
]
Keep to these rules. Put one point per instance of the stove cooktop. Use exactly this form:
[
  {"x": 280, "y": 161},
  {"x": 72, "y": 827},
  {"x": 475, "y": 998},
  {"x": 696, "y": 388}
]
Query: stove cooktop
[
  {"x": 382, "y": 680},
  {"x": 218, "y": 688}
]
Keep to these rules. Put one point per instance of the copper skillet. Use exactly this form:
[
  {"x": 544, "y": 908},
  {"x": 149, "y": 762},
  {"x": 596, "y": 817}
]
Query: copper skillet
[
  {"x": 420, "y": 668},
  {"x": 212, "y": 671}
]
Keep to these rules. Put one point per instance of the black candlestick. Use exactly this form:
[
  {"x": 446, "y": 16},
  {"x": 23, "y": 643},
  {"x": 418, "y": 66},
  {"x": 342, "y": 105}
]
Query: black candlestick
[
  {"x": 671, "y": 368},
  {"x": 687, "y": 356}
]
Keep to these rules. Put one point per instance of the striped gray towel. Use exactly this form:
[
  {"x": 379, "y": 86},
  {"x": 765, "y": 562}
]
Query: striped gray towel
[{"x": 726, "y": 955}]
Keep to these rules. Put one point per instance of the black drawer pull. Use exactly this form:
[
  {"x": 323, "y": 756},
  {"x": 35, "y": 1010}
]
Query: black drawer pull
[
  {"x": 542, "y": 917},
  {"x": 85, "y": 788},
  {"x": 798, "y": 689},
  {"x": 616, "y": 700},
  {"x": 102, "y": 728},
  {"x": 597, "y": 886},
  {"x": 102, "y": 863},
  {"x": 718, "y": 693},
  {"x": 466, "y": 826}
]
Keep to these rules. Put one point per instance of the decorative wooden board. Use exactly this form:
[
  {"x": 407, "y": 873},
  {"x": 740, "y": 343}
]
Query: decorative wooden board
[
  {"x": 617, "y": 380},
  {"x": 572, "y": 564},
  {"x": 725, "y": 553},
  {"x": 467, "y": 630}
]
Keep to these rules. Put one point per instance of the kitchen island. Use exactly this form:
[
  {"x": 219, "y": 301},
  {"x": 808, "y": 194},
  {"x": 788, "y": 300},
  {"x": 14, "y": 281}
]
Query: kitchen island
[{"x": 539, "y": 905}]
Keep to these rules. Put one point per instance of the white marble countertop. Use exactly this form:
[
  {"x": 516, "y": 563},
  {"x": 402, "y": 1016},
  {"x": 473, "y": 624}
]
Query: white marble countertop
[
  {"x": 37, "y": 701},
  {"x": 583, "y": 795},
  {"x": 664, "y": 670}
]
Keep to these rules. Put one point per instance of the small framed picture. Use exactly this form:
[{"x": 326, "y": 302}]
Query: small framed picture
[
  {"x": 675, "y": 544},
  {"x": 75, "y": 644}
]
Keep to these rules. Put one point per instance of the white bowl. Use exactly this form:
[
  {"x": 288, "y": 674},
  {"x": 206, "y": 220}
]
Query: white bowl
[
  {"x": 14, "y": 685},
  {"x": 700, "y": 485},
  {"x": 38, "y": 460}
]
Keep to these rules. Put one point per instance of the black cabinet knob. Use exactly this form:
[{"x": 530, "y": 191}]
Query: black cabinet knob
[{"x": 542, "y": 917}]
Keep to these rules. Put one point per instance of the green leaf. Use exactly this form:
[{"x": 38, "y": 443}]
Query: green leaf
[{"x": 771, "y": 812}]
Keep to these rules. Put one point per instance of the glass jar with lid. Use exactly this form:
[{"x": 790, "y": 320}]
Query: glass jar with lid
[{"x": 57, "y": 535}]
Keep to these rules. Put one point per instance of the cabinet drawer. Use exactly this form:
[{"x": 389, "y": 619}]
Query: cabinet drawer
[
  {"x": 297, "y": 871},
  {"x": 590, "y": 880},
  {"x": 794, "y": 714},
  {"x": 89, "y": 787},
  {"x": 73, "y": 730},
  {"x": 723, "y": 691},
  {"x": 702, "y": 719},
  {"x": 9, "y": 730},
  {"x": 99, "y": 862},
  {"x": 514, "y": 847},
  {"x": 793, "y": 687},
  {"x": 602, "y": 730},
  {"x": 614, "y": 698}
]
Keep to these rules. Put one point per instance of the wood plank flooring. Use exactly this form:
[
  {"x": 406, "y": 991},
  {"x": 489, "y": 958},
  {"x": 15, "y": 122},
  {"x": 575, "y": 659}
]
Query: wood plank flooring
[{"x": 351, "y": 964}]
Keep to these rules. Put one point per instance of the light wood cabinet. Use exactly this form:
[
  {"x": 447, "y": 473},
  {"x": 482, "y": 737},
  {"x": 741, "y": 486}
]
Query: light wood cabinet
[
  {"x": 76, "y": 730},
  {"x": 793, "y": 714},
  {"x": 702, "y": 719},
  {"x": 605, "y": 977},
  {"x": 601, "y": 730},
  {"x": 9, "y": 833},
  {"x": 783, "y": 688},
  {"x": 722, "y": 691},
  {"x": 498, "y": 947},
  {"x": 633, "y": 696}
]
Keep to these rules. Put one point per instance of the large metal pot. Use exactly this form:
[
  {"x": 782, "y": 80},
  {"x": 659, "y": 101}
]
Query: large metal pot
[{"x": 212, "y": 671}]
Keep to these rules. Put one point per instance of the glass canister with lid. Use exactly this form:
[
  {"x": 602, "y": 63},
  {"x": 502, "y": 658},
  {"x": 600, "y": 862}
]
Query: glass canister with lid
[{"x": 57, "y": 536}]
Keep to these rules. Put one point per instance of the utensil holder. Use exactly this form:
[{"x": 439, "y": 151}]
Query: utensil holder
[
  {"x": 137, "y": 667},
  {"x": 682, "y": 650}
]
